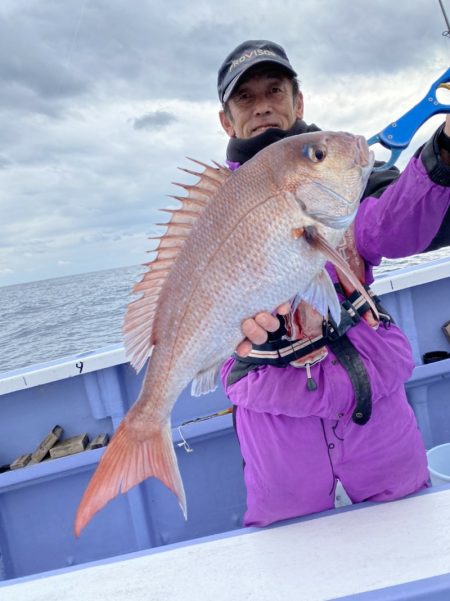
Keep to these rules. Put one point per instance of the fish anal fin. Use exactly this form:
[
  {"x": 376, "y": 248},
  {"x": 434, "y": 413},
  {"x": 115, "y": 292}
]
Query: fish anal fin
[{"x": 127, "y": 462}]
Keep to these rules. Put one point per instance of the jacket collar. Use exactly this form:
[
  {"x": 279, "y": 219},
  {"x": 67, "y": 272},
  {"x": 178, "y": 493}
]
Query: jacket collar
[{"x": 240, "y": 150}]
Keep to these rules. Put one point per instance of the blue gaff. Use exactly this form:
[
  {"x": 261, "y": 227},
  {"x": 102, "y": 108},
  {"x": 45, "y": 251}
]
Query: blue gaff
[{"x": 397, "y": 135}]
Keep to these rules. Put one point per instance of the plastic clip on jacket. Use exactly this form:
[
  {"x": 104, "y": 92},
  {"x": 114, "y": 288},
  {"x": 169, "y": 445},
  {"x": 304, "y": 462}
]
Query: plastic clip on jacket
[{"x": 398, "y": 135}]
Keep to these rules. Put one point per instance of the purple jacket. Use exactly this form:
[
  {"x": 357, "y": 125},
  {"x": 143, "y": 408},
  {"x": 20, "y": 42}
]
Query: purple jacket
[{"x": 411, "y": 215}]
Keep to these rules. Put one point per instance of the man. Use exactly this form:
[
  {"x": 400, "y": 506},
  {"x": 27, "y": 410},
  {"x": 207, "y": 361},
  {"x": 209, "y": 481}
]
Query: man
[{"x": 336, "y": 409}]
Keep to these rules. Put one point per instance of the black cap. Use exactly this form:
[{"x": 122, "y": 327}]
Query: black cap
[{"x": 246, "y": 55}]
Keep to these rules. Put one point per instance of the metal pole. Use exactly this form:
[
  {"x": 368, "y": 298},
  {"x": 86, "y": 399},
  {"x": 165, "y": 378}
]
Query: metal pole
[{"x": 446, "y": 33}]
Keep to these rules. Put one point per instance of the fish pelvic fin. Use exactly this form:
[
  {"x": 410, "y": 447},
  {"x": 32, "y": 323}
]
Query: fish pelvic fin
[
  {"x": 140, "y": 318},
  {"x": 127, "y": 462},
  {"x": 317, "y": 241},
  {"x": 205, "y": 381},
  {"x": 321, "y": 295}
]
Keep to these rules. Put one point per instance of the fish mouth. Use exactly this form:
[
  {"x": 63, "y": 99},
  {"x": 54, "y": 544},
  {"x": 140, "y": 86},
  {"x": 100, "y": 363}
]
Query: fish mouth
[
  {"x": 367, "y": 169},
  {"x": 362, "y": 151}
]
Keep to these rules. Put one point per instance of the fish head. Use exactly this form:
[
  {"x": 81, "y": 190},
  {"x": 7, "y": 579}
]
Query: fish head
[{"x": 327, "y": 173}]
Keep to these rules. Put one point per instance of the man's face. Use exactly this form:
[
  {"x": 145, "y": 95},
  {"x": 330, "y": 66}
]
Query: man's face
[{"x": 263, "y": 99}]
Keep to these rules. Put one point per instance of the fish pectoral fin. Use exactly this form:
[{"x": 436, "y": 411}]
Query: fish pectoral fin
[
  {"x": 127, "y": 462},
  {"x": 317, "y": 241},
  {"x": 321, "y": 295},
  {"x": 205, "y": 381}
]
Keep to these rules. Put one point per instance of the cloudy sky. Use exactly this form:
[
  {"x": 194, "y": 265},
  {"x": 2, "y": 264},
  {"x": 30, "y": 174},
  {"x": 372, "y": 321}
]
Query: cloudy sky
[{"x": 101, "y": 100}]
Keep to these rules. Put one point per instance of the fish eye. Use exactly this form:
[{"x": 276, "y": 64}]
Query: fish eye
[{"x": 315, "y": 153}]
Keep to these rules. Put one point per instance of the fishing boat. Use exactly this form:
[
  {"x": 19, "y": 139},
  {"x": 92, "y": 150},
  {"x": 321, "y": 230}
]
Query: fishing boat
[{"x": 140, "y": 547}]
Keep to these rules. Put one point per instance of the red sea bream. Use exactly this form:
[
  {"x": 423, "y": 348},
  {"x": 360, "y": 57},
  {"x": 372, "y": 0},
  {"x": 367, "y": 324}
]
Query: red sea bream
[{"x": 241, "y": 243}]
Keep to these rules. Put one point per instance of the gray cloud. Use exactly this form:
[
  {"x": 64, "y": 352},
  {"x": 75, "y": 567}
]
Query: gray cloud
[
  {"x": 34, "y": 74},
  {"x": 155, "y": 120},
  {"x": 78, "y": 185},
  {"x": 52, "y": 53}
]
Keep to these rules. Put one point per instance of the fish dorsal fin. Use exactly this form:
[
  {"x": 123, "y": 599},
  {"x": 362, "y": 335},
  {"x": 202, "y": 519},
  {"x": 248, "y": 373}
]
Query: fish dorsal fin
[{"x": 139, "y": 318}]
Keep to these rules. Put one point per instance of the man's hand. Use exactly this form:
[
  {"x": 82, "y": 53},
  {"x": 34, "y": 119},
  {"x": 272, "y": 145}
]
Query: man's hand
[{"x": 255, "y": 328}]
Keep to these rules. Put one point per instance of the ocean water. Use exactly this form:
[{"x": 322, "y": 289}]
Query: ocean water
[{"x": 50, "y": 319}]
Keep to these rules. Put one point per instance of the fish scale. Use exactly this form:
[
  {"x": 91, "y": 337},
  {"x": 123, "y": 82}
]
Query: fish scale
[{"x": 237, "y": 246}]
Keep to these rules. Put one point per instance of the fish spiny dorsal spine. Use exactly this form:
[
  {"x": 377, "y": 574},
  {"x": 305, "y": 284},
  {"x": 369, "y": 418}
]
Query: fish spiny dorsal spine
[{"x": 138, "y": 323}]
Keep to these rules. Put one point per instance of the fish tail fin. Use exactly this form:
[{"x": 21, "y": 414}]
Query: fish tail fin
[{"x": 127, "y": 462}]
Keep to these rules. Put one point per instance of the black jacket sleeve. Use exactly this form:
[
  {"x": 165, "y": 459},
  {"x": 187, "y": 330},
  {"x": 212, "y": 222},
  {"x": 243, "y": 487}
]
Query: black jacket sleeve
[{"x": 439, "y": 173}]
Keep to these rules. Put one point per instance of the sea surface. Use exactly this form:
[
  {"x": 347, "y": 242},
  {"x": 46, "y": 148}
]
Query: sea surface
[{"x": 51, "y": 319}]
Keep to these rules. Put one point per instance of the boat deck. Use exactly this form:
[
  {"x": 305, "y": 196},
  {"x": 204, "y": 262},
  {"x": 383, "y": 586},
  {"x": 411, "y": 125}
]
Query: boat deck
[{"x": 390, "y": 551}]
